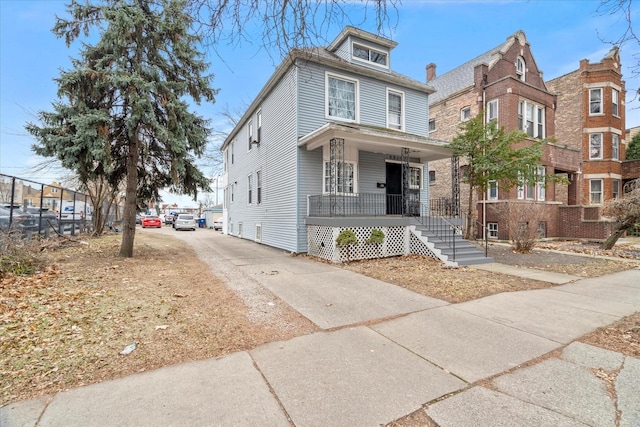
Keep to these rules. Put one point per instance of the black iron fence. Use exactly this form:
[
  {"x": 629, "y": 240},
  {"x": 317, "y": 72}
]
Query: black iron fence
[
  {"x": 355, "y": 204},
  {"x": 33, "y": 208}
]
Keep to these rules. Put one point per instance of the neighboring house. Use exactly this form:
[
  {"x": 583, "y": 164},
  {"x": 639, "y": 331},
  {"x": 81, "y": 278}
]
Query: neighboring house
[
  {"x": 505, "y": 84},
  {"x": 334, "y": 140}
]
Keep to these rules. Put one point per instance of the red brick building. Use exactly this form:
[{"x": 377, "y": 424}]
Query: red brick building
[{"x": 581, "y": 115}]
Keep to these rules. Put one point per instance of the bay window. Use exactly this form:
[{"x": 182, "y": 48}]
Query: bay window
[
  {"x": 595, "y": 101},
  {"x": 595, "y": 191},
  {"x": 531, "y": 119},
  {"x": 595, "y": 146},
  {"x": 615, "y": 147}
]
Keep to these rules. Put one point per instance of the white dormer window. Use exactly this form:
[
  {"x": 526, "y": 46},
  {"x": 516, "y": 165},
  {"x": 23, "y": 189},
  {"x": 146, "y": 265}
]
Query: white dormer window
[
  {"x": 373, "y": 56},
  {"x": 520, "y": 68}
]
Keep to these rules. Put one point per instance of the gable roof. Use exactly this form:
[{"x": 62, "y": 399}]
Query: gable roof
[
  {"x": 361, "y": 34},
  {"x": 462, "y": 76},
  {"x": 323, "y": 55}
]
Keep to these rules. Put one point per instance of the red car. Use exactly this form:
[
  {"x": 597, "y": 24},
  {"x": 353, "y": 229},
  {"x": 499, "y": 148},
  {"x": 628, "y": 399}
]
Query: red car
[{"x": 151, "y": 221}]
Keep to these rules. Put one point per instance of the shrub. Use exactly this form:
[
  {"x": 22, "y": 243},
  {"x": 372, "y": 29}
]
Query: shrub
[
  {"x": 376, "y": 237},
  {"x": 17, "y": 255},
  {"x": 346, "y": 237}
]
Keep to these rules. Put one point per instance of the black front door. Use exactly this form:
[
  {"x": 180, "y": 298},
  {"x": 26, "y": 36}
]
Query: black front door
[{"x": 394, "y": 188}]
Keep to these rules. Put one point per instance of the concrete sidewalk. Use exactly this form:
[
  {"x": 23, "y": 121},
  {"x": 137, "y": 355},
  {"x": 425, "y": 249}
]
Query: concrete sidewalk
[{"x": 466, "y": 359}]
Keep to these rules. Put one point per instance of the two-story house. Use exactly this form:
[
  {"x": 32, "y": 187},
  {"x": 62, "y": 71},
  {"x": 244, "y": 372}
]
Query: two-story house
[
  {"x": 505, "y": 84},
  {"x": 335, "y": 139}
]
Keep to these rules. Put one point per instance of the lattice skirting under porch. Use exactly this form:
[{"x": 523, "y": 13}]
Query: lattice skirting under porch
[{"x": 398, "y": 240}]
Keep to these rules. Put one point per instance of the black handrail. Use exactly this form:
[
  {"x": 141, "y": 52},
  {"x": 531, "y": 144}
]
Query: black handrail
[{"x": 440, "y": 225}]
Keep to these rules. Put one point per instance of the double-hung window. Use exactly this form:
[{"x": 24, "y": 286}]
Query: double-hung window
[
  {"x": 616, "y": 188},
  {"x": 259, "y": 187},
  {"x": 595, "y": 191},
  {"x": 533, "y": 189},
  {"x": 250, "y": 132},
  {"x": 395, "y": 109},
  {"x": 492, "y": 110},
  {"x": 259, "y": 130},
  {"x": 531, "y": 119},
  {"x": 615, "y": 146},
  {"x": 342, "y": 98},
  {"x": 432, "y": 125},
  {"x": 595, "y": 101},
  {"x": 249, "y": 188},
  {"x": 492, "y": 190},
  {"x": 520, "y": 68},
  {"x": 340, "y": 180},
  {"x": 595, "y": 146},
  {"x": 615, "y": 99},
  {"x": 415, "y": 178}
]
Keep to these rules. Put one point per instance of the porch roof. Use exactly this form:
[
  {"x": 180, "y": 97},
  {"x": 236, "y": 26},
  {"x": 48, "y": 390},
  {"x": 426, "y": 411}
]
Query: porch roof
[{"x": 377, "y": 140}]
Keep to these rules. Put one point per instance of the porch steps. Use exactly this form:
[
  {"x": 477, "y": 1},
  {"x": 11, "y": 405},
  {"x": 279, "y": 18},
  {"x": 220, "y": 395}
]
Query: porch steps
[{"x": 466, "y": 253}]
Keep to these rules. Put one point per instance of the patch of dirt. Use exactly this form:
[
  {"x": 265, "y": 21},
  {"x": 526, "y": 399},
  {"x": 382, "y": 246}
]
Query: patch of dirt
[{"x": 67, "y": 325}]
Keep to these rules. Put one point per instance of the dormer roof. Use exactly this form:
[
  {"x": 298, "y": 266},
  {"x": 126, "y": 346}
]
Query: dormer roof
[{"x": 350, "y": 31}]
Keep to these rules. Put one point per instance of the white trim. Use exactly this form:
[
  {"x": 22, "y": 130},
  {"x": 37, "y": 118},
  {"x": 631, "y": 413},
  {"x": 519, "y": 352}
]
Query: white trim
[
  {"x": 591, "y": 154},
  {"x": 402, "y": 108},
  {"x": 488, "y": 109},
  {"x": 601, "y": 112},
  {"x": 327, "y": 76},
  {"x": 591, "y": 202},
  {"x": 370, "y": 48}
]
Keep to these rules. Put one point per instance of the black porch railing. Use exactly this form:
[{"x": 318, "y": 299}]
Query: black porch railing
[{"x": 355, "y": 204}]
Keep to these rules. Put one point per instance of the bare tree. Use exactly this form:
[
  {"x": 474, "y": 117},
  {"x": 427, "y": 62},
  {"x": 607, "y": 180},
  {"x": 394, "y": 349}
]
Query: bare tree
[
  {"x": 625, "y": 213},
  {"x": 624, "y": 11},
  {"x": 282, "y": 25},
  {"x": 522, "y": 220}
]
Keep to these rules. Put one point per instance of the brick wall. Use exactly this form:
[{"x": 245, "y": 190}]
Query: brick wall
[
  {"x": 572, "y": 224},
  {"x": 568, "y": 117}
]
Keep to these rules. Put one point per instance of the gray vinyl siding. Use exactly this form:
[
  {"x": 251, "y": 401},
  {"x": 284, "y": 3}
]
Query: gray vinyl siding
[
  {"x": 309, "y": 183},
  {"x": 276, "y": 158},
  {"x": 344, "y": 50},
  {"x": 371, "y": 171},
  {"x": 372, "y": 101}
]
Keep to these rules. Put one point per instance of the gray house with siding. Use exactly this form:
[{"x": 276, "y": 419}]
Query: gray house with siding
[{"x": 334, "y": 140}]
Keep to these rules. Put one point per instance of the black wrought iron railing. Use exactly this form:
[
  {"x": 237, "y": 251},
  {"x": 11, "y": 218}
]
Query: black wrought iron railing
[
  {"x": 440, "y": 225},
  {"x": 355, "y": 204}
]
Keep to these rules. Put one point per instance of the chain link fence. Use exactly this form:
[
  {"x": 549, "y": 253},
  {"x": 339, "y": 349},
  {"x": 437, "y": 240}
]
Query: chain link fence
[{"x": 33, "y": 208}]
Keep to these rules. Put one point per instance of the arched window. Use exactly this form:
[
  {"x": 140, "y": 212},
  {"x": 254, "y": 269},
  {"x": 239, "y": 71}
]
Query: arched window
[{"x": 520, "y": 68}]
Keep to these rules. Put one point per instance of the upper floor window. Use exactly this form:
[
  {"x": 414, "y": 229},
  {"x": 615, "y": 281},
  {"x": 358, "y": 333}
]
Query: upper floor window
[
  {"x": 259, "y": 130},
  {"x": 531, "y": 119},
  {"x": 595, "y": 101},
  {"x": 364, "y": 53},
  {"x": 520, "y": 68},
  {"x": 432, "y": 125},
  {"x": 492, "y": 110},
  {"x": 250, "y": 132},
  {"x": 615, "y": 95},
  {"x": 54, "y": 190},
  {"x": 492, "y": 190},
  {"x": 465, "y": 114},
  {"x": 249, "y": 188},
  {"x": 595, "y": 146},
  {"x": 232, "y": 144},
  {"x": 226, "y": 159},
  {"x": 395, "y": 110},
  {"x": 615, "y": 147},
  {"x": 616, "y": 188},
  {"x": 342, "y": 98}
]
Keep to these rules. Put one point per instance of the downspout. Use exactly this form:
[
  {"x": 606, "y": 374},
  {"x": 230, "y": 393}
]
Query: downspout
[{"x": 484, "y": 191}]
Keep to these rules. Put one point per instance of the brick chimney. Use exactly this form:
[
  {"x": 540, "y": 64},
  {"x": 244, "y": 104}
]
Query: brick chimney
[{"x": 431, "y": 71}]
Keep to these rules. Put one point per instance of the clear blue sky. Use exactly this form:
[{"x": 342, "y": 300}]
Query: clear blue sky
[{"x": 447, "y": 33}]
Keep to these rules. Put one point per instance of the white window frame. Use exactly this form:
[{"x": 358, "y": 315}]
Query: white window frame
[
  {"x": 615, "y": 146},
  {"x": 536, "y": 191},
  {"x": 492, "y": 230},
  {"x": 249, "y": 189},
  {"x": 415, "y": 177},
  {"x": 592, "y": 199},
  {"x": 531, "y": 117},
  {"x": 492, "y": 190},
  {"x": 259, "y": 125},
  {"x": 259, "y": 186},
  {"x": 615, "y": 188},
  {"x": 329, "y": 76},
  {"x": 541, "y": 190},
  {"x": 521, "y": 67},
  {"x": 395, "y": 126},
  {"x": 492, "y": 110},
  {"x": 465, "y": 114},
  {"x": 595, "y": 152},
  {"x": 369, "y": 50},
  {"x": 250, "y": 133},
  {"x": 258, "y": 232},
  {"x": 432, "y": 121},
  {"x": 597, "y": 102},
  {"x": 615, "y": 102},
  {"x": 432, "y": 174},
  {"x": 340, "y": 186}
]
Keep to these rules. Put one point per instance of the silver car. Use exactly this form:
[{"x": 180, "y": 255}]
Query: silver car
[{"x": 185, "y": 222}]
